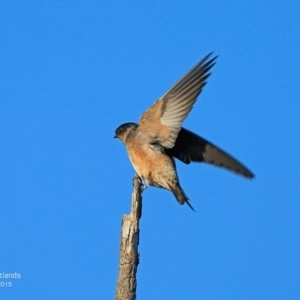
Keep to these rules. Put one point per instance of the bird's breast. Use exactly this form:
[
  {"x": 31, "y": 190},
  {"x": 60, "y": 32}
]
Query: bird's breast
[
  {"x": 155, "y": 167},
  {"x": 141, "y": 158}
]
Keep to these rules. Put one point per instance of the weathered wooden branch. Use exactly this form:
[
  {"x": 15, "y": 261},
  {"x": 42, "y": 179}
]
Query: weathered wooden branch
[{"x": 129, "y": 256}]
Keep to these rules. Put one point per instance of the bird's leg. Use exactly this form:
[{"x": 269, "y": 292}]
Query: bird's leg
[
  {"x": 144, "y": 183},
  {"x": 144, "y": 186}
]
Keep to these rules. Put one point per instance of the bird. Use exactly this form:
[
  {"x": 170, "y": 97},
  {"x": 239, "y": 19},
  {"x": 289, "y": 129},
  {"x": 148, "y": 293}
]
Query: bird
[{"x": 159, "y": 138}]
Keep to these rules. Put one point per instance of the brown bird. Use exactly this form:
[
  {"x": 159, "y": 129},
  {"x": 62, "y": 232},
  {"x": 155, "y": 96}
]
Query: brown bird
[{"x": 158, "y": 138}]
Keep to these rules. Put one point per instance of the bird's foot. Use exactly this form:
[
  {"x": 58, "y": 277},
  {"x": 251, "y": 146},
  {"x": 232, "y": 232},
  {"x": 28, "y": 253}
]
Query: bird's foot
[{"x": 144, "y": 186}]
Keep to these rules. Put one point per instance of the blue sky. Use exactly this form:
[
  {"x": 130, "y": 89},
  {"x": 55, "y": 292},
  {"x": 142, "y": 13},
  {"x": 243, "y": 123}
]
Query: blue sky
[{"x": 73, "y": 71}]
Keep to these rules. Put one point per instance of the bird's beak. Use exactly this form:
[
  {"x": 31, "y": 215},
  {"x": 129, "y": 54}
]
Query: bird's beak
[{"x": 115, "y": 137}]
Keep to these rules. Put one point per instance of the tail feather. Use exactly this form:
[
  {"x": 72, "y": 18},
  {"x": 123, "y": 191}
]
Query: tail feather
[{"x": 181, "y": 196}]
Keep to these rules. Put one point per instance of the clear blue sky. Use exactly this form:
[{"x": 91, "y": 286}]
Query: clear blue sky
[{"x": 71, "y": 72}]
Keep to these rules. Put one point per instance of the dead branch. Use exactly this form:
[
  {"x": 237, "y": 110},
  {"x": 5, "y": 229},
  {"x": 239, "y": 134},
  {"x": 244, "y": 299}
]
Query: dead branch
[{"x": 129, "y": 256}]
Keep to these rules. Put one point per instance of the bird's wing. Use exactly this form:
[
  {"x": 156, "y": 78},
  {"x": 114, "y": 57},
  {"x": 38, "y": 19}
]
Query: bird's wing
[
  {"x": 192, "y": 148},
  {"x": 162, "y": 121}
]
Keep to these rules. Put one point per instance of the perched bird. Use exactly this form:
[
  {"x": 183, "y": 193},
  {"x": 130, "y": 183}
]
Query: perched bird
[{"x": 158, "y": 138}]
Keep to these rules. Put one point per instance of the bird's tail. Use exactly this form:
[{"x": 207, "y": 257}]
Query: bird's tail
[{"x": 181, "y": 196}]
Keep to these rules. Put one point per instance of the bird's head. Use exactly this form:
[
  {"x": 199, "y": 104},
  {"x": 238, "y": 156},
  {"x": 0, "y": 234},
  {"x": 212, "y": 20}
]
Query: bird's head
[{"x": 123, "y": 130}]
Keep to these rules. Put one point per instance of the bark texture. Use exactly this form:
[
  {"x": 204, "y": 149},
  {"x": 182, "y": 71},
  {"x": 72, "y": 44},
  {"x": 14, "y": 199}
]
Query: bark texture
[{"x": 129, "y": 256}]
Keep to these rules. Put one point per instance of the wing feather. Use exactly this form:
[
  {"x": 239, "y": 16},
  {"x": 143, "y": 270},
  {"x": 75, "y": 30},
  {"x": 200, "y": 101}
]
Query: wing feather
[
  {"x": 163, "y": 120},
  {"x": 190, "y": 147}
]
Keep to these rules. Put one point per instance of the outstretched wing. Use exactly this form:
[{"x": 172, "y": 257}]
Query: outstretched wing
[
  {"x": 192, "y": 148},
  {"x": 162, "y": 121}
]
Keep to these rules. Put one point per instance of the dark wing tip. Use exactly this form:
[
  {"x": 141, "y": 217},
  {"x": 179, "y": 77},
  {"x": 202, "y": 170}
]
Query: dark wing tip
[
  {"x": 249, "y": 174},
  {"x": 208, "y": 56},
  {"x": 200, "y": 69}
]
